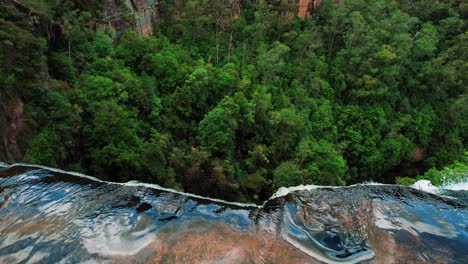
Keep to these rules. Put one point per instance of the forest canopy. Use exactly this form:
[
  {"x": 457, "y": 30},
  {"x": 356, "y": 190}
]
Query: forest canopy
[{"x": 237, "y": 106}]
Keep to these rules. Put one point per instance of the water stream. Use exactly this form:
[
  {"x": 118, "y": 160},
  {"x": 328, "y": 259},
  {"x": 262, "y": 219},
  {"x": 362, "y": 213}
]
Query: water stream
[{"x": 51, "y": 216}]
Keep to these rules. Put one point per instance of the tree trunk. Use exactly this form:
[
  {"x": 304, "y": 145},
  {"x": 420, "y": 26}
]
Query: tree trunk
[{"x": 230, "y": 47}]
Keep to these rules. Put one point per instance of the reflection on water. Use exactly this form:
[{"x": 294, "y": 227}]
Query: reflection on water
[
  {"x": 54, "y": 217},
  {"x": 320, "y": 224}
]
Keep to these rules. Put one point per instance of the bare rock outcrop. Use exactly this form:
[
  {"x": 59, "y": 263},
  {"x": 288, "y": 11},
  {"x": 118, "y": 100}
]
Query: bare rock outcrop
[
  {"x": 307, "y": 7},
  {"x": 139, "y": 15}
]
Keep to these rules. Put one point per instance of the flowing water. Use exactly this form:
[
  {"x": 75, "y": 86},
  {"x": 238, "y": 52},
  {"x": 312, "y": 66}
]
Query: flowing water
[{"x": 49, "y": 216}]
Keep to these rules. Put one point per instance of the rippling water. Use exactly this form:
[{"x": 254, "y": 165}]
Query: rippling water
[{"x": 49, "y": 216}]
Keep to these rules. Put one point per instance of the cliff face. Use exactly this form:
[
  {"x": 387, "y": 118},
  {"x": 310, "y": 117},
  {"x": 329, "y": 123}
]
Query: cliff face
[
  {"x": 307, "y": 7},
  {"x": 15, "y": 136},
  {"x": 11, "y": 124},
  {"x": 139, "y": 15},
  {"x": 145, "y": 13},
  {"x": 22, "y": 64},
  {"x": 142, "y": 15}
]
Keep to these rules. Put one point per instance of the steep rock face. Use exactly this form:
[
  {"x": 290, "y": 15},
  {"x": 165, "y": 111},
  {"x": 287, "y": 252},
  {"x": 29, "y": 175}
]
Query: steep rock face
[
  {"x": 307, "y": 7},
  {"x": 142, "y": 15},
  {"x": 117, "y": 16},
  {"x": 139, "y": 15},
  {"x": 145, "y": 13},
  {"x": 11, "y": 124}
]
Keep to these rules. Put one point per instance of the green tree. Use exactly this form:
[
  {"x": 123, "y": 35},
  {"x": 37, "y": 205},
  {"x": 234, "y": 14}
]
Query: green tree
[
  {"x": 217, "y": 130},
  {"x": 46, "y": 149},
  {"x": 324, "y": 163},
  {"x": 288, "y": 174},
  {"x": 112, "y": 140}
]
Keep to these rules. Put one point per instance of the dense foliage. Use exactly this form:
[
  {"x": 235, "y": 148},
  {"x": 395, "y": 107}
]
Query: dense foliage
[
  {"x": 236, "y": 106},
  {"x": 452, "y": 174}
]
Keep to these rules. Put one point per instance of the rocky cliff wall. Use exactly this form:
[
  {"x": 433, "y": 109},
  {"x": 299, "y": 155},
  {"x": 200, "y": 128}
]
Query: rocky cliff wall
[
  {"x": 11, "y": 124},
  {"x": 142, "y": 15},
  {"x": 307, "y": 7},
  {"x": 139, "y": 15},
  {"x": 145, "y": 13}
]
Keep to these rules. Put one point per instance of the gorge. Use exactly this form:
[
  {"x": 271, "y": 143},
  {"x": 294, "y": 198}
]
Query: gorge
[{"x": 228, "y": 131}]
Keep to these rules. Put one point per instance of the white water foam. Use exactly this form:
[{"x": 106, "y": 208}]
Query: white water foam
[
  {"x": 459, "y": 186},
  {"x": 283, "y": 191},
  {"x": 155, "y": 186},
  {"x": 425, "y": 185},
  {"x": 136, "y": 184}
]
